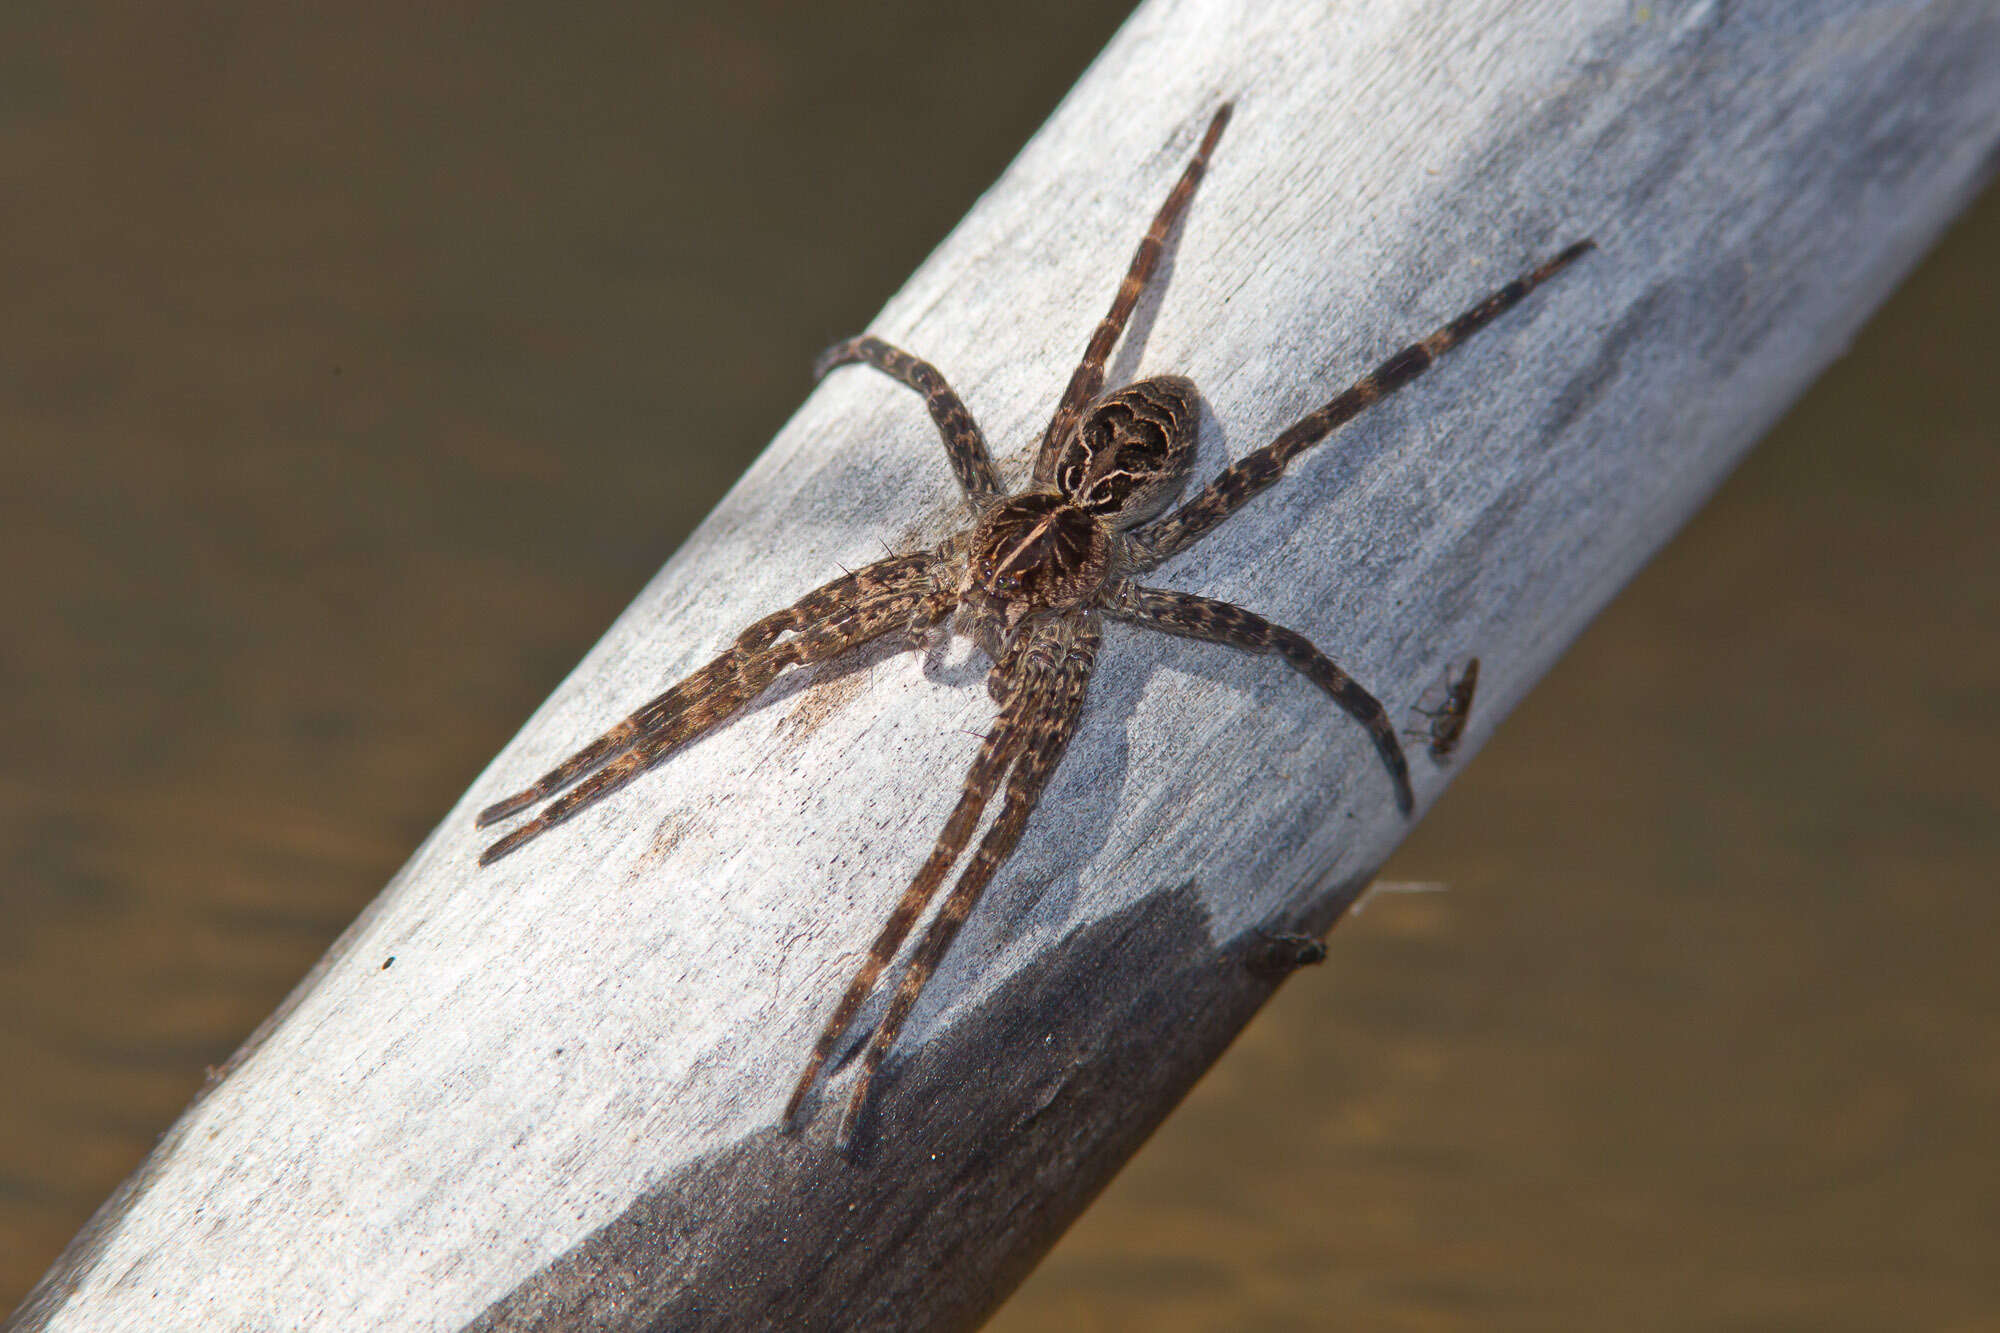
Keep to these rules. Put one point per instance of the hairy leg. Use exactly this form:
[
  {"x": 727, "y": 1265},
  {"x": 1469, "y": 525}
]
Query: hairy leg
[
  {"x": 1056, "y": 673},
  {"x": 892, "y": 594},
  {"x": 999, "y": 750},
  {"x": 1088, "y": 377},
  {"x": 1255, "y": 472},
  {"x": 1196, "y": 617},
  {"x": 964, "y": 444}
]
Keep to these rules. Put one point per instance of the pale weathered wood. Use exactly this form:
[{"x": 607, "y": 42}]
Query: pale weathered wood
[{"x": 558, "y": 1105}]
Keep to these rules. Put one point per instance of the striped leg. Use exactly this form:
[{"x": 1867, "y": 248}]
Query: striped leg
[
  {"x": 1002, "y": 746},
  {"x": 1088, "y": 377},
  {"x": 999, "y": 750},
  {"x": 888, "y": 595},
  {"x": 1067, "y": 656},
  {"x": 1255, "y": 472},
  {"x": 964, "y": 444},
  {"x": 1195, "y": 617}
]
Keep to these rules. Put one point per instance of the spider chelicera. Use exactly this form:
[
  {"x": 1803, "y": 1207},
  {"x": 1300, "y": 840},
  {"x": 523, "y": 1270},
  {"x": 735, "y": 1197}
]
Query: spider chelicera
[{"x": 1030, "y": 579}]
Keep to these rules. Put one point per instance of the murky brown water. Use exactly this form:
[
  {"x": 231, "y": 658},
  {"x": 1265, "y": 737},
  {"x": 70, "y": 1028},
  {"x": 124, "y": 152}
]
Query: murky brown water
[{"x": 342, "y": 361}]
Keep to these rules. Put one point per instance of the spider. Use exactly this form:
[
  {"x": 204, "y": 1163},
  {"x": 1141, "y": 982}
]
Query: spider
[{"x": 1031, "y": 578}]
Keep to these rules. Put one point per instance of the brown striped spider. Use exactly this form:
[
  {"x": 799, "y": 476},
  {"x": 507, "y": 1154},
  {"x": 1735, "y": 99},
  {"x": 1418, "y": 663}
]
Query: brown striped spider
[{"x": 1030, "y": 579}]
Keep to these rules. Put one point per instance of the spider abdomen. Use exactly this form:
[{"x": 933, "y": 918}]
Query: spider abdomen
[{"x": 1131, "y": 451}]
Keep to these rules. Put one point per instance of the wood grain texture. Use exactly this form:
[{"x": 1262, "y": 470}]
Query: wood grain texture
[{"x": 558, "y": 1105}]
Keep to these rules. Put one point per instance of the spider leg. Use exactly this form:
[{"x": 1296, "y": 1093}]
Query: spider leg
[
  {"x": 884, "y": 577},
  {"x": 1048, "y": 707},
  {"x": 1017, "y": 681},
  {"x": 891, "y": 594},
  {"x": 621, "y": 739},
  {"x": 1196, "y": 617},
  {"x": 1256, "y": 471},
  {"x": 1088, "y": 377},
  {"x": 997, "y": 752},
  {"x": 964, "y": 445}
]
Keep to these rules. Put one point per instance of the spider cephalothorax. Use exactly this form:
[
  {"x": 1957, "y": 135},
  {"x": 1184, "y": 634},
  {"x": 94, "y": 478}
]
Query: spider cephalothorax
[
  {"x": 1034, "y": 552},
  {"x": 1031, "y": 580},
  {"x": 1057, "y": 549}
]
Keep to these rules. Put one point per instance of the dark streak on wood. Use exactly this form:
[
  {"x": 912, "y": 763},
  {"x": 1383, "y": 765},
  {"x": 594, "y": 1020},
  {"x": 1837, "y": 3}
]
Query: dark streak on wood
[{"x": 770, "y": 1233}]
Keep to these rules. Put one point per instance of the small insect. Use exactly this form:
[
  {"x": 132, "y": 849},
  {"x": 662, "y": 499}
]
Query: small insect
[
  {"x": 1447, "y": 704},
  {"x": 1278, "y": 954},
  {"x": 1031, "y": 578}
]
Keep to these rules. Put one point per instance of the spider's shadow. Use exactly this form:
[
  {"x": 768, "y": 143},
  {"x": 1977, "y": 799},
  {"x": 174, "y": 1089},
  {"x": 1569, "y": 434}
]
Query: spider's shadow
[
  {"x": 1038, "y": 892},
  {"x": 1125, "y": 358},
  {"x": 1037, "y": 889},
  {"x": 1038, "y": 886},
  {"x": 864, "y": 657}
]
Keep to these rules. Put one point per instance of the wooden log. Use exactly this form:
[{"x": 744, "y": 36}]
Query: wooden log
[{"x": 546, "y": 1093}]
